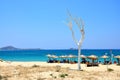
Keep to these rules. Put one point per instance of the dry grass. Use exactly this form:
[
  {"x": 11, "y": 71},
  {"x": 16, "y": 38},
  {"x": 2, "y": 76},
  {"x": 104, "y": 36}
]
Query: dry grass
[{"x": 53, "y": 73}]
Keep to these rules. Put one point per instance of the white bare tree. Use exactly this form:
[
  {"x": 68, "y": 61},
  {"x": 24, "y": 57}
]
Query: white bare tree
[{"x": 80, "y": 24}]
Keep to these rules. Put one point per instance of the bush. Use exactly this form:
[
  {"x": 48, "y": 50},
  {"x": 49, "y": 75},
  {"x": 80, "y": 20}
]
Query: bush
[
  {"x": 109, "y": 69},
  {"x": 3, "y": 77},
  {"x": 63, "y": 75},
  {"x": 51, "y": 74},
  {"x": 35, "y": 65},
  {"x": 66, "y": 74}
]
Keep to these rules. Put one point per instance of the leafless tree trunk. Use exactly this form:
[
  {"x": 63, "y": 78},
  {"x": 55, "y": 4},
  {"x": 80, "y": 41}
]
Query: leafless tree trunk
[{"x": 80, "y": 24}]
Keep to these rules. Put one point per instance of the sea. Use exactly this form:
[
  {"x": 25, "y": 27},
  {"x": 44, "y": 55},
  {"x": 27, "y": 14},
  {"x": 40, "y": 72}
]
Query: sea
[{"x": 40, "y": 55}]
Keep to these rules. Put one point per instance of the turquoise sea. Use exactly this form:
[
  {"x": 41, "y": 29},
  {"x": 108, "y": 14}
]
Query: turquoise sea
[{"x": 40, "y": 55}]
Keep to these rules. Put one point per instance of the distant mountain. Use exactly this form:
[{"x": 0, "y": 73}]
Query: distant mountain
[
  {"x": 9, "y": 48},
  {"x": 14, "y": 48}
]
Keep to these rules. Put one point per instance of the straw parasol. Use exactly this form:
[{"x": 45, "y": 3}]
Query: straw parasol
[
  {"x": 71, "y": 56},
  {"x": 104, "y": 57},
  {"x": 54, "y": 56},
  {"x": 63, "y": 56},
  {"x": 118, "y": 58},
  {"x": 83, "y": 56},
  {"x": 48, "y": 55},
  {"x": 93, "y": 57}
]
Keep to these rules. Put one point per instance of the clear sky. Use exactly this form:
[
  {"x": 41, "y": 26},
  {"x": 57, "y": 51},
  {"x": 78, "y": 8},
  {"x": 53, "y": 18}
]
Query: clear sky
[{"x": 40, "y": 23}]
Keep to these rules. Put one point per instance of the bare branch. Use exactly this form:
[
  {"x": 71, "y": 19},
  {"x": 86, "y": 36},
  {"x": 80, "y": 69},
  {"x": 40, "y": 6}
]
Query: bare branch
[{"x": 80, "y": 25}]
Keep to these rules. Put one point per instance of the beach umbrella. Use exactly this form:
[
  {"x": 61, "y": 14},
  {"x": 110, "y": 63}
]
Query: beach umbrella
[
  {"x": 63, "y": 56},
  {"x": 104, "y": 57},
  {"x": 93, "y": 57},
  {"x": 71, "y": 56},
  {"x": 118, "y": 58},
  {"x": 83, "y": 56},
  {"x": 54, "y": 56},
  {"x": 48, "y": 55}
]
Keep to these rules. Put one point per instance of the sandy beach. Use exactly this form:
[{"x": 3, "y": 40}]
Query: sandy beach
[{"x": 56, "y": 71}]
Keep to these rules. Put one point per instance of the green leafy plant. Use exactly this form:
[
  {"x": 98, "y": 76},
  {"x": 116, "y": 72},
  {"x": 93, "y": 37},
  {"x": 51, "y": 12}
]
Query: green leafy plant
[
  {"x": 109, "y": 69},
  {"x": 55, "y": 77},
  {"x": 35, "y": 66},
  {"x": 63, "y": 75},
  {"x": 66, "y": 74},
  {"x": 51, "y": 74}
]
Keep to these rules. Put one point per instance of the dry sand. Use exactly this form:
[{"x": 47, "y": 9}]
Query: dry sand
[{"x": 56, "y": 71}]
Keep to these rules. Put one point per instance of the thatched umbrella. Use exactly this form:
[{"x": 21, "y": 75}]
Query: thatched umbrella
[
  {"x": 63, "y": 56},
  {"x": 104, "y": 57},
  {"x": 118, "y": 58},
  {"x": 49, "y": 56},
  {"x": 93, "y": 57},
  {"x": 71, "y": 56},
  {"x": 83, "y": 56},
  {"x": 54, "y": 56}
]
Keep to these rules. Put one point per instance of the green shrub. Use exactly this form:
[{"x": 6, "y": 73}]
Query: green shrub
[
  {"x": 51, "y": 74},
  {"x": 66, "y": 74},
  {"x": 3, "y": 77},
  {"x": 109, "y": 69},
  {"x": 35, "y": 65},
  {"x": 55, "y": 77},
  {"x": 63, "y": 75}
]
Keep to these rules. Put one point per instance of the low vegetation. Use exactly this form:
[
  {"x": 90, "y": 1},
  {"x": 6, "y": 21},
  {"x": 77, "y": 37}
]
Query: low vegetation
[
  {"x": 63, "y": 75},
  {"x": 109, "y": 70}
]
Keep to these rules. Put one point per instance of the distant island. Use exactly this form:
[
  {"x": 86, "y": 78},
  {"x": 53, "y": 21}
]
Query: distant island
[
  {"x": 14, "y": 48},
  {"x": 8, "y": 48}
]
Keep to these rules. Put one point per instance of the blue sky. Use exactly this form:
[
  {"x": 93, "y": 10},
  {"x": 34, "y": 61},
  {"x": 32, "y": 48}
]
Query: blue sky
[{"x": 40, "y": 23}]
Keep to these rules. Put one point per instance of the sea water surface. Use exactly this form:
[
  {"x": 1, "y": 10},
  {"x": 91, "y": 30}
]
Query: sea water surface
[{"x": 40, "y": 55}]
